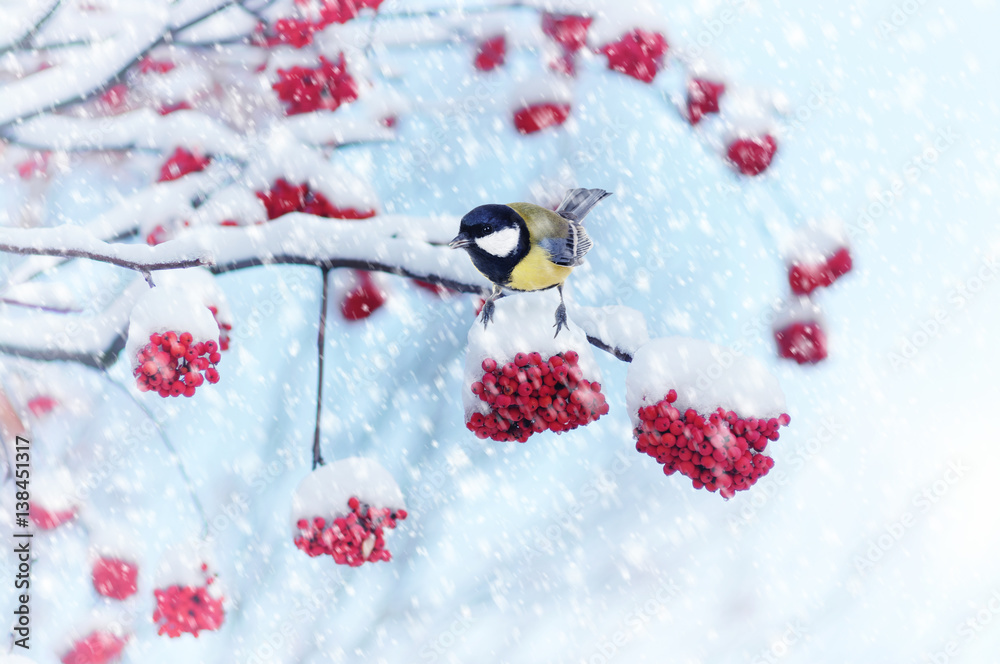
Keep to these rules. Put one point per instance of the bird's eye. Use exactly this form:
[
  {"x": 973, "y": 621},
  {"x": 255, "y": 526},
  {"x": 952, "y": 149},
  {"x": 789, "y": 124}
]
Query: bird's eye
[{"x": 487, "y": 229}]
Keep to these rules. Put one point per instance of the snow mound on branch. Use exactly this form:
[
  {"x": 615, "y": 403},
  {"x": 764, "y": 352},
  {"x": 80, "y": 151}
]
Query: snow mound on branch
[
  {"x": 53, "y": 490},
  {"x": 189, "y": 563},
  {"x": 815, "y": 242},
  {"x": 326, "y": 490},
  {"x": 523, "y": 323},
  {"x": 749, "y": 113},
  {"x": 231, "y": 203},
  {"x": 706, "y": 377},
  {"x": 614, "y": 23},
  {"x": 286, "y": 157},
  {"x": 165, "y": 309},
  {"x": 617, "y": 324},
  {"x": 200, "y": 283},
  {"x": 797, "y": 310},
  {"x": 112, "y": 541},
  {"x": 540, "y": 88}
]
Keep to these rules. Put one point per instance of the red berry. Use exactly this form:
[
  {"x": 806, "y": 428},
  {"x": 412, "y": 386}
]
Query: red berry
[
  {"x": 115, "y": 578},
  {"x": 638, "y": 54},
  {"x": 537, "y": 117},
  {"x": 703, "y": 98},
  {"x": 752, "y": 156}
]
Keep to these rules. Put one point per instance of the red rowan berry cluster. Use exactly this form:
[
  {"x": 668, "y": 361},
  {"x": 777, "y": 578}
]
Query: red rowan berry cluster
[
  {"x": 324, "y": 88},
  {"x": 534, "y": 118},
  {"x": 95, "y": 648},
  {"x": 567, "y": 30},
  {"x": 299, "y": 32},
  {"x": 49, "y": 519},
  {"x": 284, "y": 197},
  {"x": 752, "y": 156},
  {"x": 174, "y": 365},
  {"x": 115, "y": 578},
  {"x": 180, "y": 163},
  {"x": 41, "y": 405},
  {"x": 181, "y": 609},
  {"x": 804, "y": 342},
  {"x": 530, "y": 395},
  {"x": 703, "y": 98},
  {"x": 638, "y": 54},
  {"x": 491, "y": 53},
  {"x": 363, "y": 300},
  {"x": 350, "y": 540},
  {"x": 570, "y": 32},
  {"x": 804, "y": 279},
  {"x": 719, "y": 452}
]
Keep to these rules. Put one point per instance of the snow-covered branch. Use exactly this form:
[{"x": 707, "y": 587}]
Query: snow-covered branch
[{"x": 406, "y": 246}]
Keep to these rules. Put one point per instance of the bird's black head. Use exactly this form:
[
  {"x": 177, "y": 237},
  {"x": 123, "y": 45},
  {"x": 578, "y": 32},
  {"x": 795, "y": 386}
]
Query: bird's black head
[{"x": 496, "y": 238}]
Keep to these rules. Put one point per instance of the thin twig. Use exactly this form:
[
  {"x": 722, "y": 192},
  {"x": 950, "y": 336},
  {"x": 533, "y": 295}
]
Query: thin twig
[{"x": 320, "y": 344}]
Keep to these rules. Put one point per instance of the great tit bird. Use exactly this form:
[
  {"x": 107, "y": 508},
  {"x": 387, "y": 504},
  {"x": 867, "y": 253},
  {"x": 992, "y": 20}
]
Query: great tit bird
[{"x": 525, "y": 247}]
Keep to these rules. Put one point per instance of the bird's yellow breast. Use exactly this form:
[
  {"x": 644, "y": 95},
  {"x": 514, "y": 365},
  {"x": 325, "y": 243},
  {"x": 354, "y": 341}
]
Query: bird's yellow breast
[{"x": 537, "y": 272}]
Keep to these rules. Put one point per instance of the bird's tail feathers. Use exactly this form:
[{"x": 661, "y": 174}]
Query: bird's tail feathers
[{"x": 578, "y": 203}]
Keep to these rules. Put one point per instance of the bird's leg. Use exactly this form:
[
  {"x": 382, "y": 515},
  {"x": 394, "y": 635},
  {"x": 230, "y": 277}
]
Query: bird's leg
[
  {"x": 561, "y": 320},
  {"x": 489, "y": 307}
]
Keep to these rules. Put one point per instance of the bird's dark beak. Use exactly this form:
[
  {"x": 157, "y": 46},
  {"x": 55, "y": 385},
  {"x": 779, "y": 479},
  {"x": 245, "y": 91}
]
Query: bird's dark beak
[{"x": 461, "y": 240}]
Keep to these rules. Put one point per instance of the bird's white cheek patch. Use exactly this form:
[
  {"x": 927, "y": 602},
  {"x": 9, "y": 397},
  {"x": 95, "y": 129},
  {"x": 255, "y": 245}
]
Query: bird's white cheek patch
[{"x": 500, "y": 244}]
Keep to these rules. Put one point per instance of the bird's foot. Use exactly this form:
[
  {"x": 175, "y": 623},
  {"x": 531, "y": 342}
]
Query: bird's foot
[
  {"x": 561, "y": 319},
  {"x": 488, "y": 309}
]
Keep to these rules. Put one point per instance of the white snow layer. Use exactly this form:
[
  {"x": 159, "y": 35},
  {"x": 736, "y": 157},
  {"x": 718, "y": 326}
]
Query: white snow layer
[
  {"x": 18, "y": 18},
  {"x": 706, "y": 376},
  {"x": 814, "y": 242},
  {"x": 143, "y": 128},
  {"x": 180, "y": 565},
  {"x": 201, "y": 284},
  {"x": 166, "y": 309},
  {"x": 325, "y": 491},
  {"x": 233, "y": 22},
  {"x": 621, "y": 327},
  {"x": 283, "y": 156},
  {"x": 797, "y": 310},
  {"x": 95, "y": 67},
  {"x": 53, "y": 490}
]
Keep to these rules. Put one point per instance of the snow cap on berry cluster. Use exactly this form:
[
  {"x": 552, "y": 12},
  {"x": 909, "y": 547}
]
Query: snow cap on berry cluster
[
  {"x": 706, "y": 377},
  {"x": 326, "y": 491},
  {"x": 53, "y": 498},
  {"x": 188, "y": 563},
  {"x": 201, "y": 283},
  {"x": 523, "y": 323},
  {"x": 610, "y": 26},
  {"x": 165, "y": 309},
  {"x": 797, "y": 310},
  {"x": 622, "y": 326},
  {"x": 750, "y": 113},
  {"x": 540, "y": 88},
  {"x": 815, "y": 241},
  {"x": 232, "y": 204},
  {"x": 112, "y": 541},
  {"x": 287, "y": 158}
]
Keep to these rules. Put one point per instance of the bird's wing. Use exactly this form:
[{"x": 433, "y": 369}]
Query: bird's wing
[
  {"x": 564, "y": 239},
  {"x": 569, "y": 250},
  {"x": 578, "y": 202}
]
